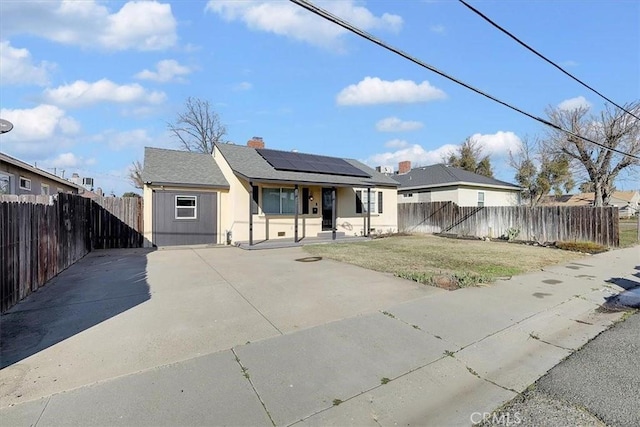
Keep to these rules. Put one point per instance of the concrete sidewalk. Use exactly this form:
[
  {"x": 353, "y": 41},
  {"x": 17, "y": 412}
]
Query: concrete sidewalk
[{"x": 435, "y": 359}]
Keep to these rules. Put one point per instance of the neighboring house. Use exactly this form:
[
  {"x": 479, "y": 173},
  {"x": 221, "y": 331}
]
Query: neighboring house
[
  {"x": 441, "y": 183},
  {"x": 18, "y": 177},
  {"x": 251, "y": 194},
  {"x": 627, "y": 202}
]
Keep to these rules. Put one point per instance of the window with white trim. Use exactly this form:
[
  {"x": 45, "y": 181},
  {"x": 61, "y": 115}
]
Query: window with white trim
[
  {"x": 186, "y": 207},
  {"x": 44, "y": 189},
  {"x": 480, "y": 199},
  {"x": 278, "y": 201},
  {"x": 25, "y": 183},
  {"x": 361, "y": 201}
]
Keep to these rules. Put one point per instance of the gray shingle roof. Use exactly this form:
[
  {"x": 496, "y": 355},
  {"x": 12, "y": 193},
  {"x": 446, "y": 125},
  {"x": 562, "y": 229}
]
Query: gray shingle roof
[
  {"x": 246, "y": 162},
  {"x": 441, "y": 175},
  {"x": 162, "y": 166}
]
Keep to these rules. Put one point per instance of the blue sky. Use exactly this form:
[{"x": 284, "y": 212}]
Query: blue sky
[{"x": 89, "y": 84}]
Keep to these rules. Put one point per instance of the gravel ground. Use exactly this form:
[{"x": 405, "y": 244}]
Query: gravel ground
[{"x": 596, "y": 386}]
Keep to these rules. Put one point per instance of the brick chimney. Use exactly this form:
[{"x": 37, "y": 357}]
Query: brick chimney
[
  {"x": 255, "y": 142},
  {"x": 404, "y": 167}
]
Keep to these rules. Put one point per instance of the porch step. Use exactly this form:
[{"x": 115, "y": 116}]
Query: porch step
[{"x": 327, "y": 234}]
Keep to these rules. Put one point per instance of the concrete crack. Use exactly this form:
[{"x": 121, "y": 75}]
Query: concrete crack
[
  {"x": 245, "y": 373},
  {"x": 42, "y": 413},
  {"x": 238, "y": 292}
]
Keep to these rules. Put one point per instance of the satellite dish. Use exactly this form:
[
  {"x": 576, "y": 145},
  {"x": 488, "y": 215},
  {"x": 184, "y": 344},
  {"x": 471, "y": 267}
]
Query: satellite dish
[{"x": 5, "y": 126}]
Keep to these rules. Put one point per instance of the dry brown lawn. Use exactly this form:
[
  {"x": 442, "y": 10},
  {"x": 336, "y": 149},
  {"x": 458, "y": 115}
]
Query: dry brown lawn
[{"x": 427, "y": 258}]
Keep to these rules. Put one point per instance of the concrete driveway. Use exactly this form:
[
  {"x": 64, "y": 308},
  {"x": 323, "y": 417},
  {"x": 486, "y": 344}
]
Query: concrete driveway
[{"x": 117, "y": 312}]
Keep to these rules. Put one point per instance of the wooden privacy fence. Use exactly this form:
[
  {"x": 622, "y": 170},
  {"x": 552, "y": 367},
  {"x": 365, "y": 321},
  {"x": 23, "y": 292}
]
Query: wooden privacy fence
[
  {"x": 40, "y": 236},
  {"x": 540, "y": 224}
]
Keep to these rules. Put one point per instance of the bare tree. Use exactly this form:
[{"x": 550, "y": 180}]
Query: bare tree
[
  {"x": 469, "y": 157},
  {"x": 538, "y": 172},
  {"x": 198, "y": 128},
  {"x": 135, "y": 174},
  {"x": 613, "y": 128}
]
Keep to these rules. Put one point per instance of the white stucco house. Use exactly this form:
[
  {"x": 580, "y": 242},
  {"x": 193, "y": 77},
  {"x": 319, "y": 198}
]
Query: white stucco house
[
  {"x": 441, "y": 183},
  {"x": 248, "y": 194}
]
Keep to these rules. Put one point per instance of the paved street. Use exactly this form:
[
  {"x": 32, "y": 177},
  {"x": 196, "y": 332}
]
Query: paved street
[
  {"x": 598, "y": 385},
  {"x": 212, "y": 336}
]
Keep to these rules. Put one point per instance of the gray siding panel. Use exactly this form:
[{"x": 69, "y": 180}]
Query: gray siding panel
[{"x": 169, "y": 231}]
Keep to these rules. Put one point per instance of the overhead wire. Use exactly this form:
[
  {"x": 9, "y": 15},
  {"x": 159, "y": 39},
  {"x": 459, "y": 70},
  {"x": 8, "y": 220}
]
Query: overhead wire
[
  {"x": 538, "y": 54},
  {"x": 350, "y": 27}
]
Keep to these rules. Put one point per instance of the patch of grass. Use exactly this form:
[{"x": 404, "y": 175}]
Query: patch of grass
[
  {"x": 584, "y": 247},
  {"x": 386, "y": 313},
  {"x": 628, "y": 232},
  {"x": 384, "y": 380},
  {"x": 449, "y": 353},
  {"x": 443, "y": 262},
  {"x": 336, "y": 402}
]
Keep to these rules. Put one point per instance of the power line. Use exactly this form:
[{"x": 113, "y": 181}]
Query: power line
[
  {"x": 538, "y": 54},
  {"x": 346, "y": 25}
]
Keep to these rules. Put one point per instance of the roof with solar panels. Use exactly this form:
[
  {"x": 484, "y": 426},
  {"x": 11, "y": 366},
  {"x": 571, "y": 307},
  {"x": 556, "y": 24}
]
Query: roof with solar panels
[{"x": 266, "y": 165}]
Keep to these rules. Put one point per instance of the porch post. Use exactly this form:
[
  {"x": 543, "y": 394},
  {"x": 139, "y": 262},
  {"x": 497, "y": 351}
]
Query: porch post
[
  {"x": 368, "y": 212},
  {"x": 295, "y": 226},
  {"x": 250, "y": 213},
  {"x": 333, "y": 213}
]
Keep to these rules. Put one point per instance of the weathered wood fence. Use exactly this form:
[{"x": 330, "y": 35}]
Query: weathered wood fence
[
  {"x": 540, "y": 224},
  {"x": 40, "y": 236}
]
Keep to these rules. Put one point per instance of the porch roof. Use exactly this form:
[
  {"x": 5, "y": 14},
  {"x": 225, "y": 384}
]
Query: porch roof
[{"x": 250, "y": 165}]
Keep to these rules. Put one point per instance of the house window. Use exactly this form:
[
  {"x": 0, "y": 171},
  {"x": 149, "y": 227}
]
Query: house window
[
  {"x": 278, "y": 201},
  {"x": 5, "y": 183},
  {"x": 25, "y": 183},
  {"x": 407, "y": 195},
  {"x": 44, "y": 189},
  {"x": 59, "y": 190},
  {"x": 186, "y": 207},
  {"x": 480, "y": 199},
  {"x": 361, "y": 201}
]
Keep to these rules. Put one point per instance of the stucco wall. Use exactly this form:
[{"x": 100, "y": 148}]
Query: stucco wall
[
  {"x": 234, "y": 209},
  {"x": 463, "y": 196}
]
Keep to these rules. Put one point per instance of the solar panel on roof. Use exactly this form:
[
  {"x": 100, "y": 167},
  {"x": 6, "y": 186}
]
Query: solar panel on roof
[{"x": 299, "y": 162}]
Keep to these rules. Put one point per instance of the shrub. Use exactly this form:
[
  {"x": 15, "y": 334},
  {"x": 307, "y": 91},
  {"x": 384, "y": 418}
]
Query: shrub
[{"x": 584, "y": 247}]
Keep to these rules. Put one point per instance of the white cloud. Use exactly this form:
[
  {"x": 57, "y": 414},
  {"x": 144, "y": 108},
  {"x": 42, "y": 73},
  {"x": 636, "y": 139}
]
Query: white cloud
[
  {"x": 394, "y": 124},
  {"x": 117, "y": 141},
  {"x": 499, "y": 143},
  {"x": 289, "y": 20},
  {"x": 243, "y": 86},
  {"x": 82, "y": 93},
  {"x": 574, "y": 103},
  {"x": 139, "y": 25},
  {"x": 17, "y": 67},
  {"x": 42, "y": 129},
  {"x": 438, "y": 29},
  {"x": 167, "y": 70},
  {"x": 569, "y": 63},
  {"x": 415, "y": 153},
  {"x": 68, "y": 160},
  {"x": 396, "y": 143},
  {"x": 495, "y": 145},
  {"x": 373, "y": 90},
  {"x": 39, "y": 123}
]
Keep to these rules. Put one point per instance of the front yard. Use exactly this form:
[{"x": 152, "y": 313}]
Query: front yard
[{"x": 439, "y": 261}]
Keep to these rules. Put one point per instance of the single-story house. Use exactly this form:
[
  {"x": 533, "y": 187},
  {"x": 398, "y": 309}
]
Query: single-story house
[
  {"x": 18, "y": 177},
  {"x": 251, "y": 194},
  {"x": 627, "y": 202},
  {"x": 441, "y": 183}
]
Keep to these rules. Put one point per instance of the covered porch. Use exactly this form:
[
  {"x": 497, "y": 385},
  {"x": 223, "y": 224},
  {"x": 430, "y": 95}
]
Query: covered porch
[{"x": 304, "y": 213}]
